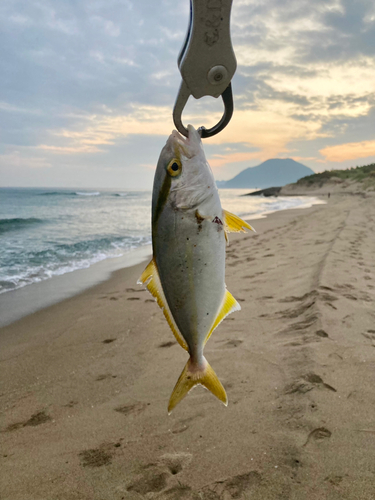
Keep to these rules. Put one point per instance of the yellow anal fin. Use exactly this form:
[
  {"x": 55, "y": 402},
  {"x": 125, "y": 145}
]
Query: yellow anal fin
[
  {"x": 229, "y": 305},
  {"x": 190, "y": 377},
  {"x": 150, "y": 278},
  {"x": 234, "y": 224}
]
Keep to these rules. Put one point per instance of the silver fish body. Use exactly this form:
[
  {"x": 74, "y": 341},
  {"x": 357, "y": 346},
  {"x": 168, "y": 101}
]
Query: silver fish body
[
  {"x": 187, "y": 273},
  {"x": 189, "y": 250}
]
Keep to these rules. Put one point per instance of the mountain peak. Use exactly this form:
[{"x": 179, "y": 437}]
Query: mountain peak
[{"x": 272, "y": 172}]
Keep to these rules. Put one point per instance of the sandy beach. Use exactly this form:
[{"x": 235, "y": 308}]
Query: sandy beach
[{"x": 85, "y": 383}]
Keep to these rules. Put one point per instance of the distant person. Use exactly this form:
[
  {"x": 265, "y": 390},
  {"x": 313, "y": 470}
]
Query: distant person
[{"x": 329, "y": 195}]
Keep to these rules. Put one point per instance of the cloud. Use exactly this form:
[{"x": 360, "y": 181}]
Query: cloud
[
  {"x": 222, "y": 160},
  {"x": 94, "y": 82},
  {"x": 17, "y": 159},
  {"x": 268, "y": 130},
  {"x": 349, "y": 151},
  {"x": 66, "y": 150}
]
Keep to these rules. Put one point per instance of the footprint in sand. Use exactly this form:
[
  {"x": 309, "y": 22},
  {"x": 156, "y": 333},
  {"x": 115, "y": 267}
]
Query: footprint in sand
[
  {"x": 316, "y": 380},
  {"x": 334, "y": 479},
  {"x": 233, "y": 343},
  {"x": 38, "y": 418},
  {"x": 300, "y": 298},
  {"x": 319, "y": 434},
  {"x": 350, "y": 296},
  {"x": 370, "y": 334},
  {"x": 133, "y": 298},
  {"x": 108, "y": 341},
  {"x": 240, "y": 487},
  {"x": 321, "y": 333},
  {"x": 151, "y": 482},
  {"x": 104, "y": 377},
  {"x": 132, "y": 409},
  {"x": 331, "y": 305},
  {"x": 296, "y": 311},
  {"x": 233, "y": 264},
  {"x": 300, "y": 325},
  {"x": 335, "y": 356},
  {"x": 175, "y": 462},
  {"x": 70, "y": 404},
  {"x": 95, "y": 457},
  {"x": 184, "y": 424},
  {"x": 155, "y": 476},
  {"x": 327, "y": 297},
  {"x": 307, "y": 383},
  {"x": 167, "y": 344}
]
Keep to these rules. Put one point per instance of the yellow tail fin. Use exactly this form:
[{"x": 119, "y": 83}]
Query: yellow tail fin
[{"x": 191, "y": 377}]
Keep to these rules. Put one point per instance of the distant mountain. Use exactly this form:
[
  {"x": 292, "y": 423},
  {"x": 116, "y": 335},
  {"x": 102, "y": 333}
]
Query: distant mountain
[{"x": 275, "y": 172}]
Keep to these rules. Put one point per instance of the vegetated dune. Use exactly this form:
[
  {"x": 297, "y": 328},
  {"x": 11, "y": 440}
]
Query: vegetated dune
[{"x": 358, "y": 180}]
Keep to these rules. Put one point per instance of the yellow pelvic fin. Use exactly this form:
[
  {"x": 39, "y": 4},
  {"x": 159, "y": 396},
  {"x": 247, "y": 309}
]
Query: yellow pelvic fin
[
  {"x": 150, "y": 277},
  {"x": 229, "y": 305},
  {"x": 190, "y": 377},
  {"x": 234, "y": 224}
]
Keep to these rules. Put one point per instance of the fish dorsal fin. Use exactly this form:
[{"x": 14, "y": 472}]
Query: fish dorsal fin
[
  {"x": 229, "y": 305},
  {"x": 234, "y": 224},
  {"x": 150, "y": 278}
]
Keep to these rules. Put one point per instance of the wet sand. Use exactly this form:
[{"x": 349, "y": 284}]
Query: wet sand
[{"x": 85, "y": 383}]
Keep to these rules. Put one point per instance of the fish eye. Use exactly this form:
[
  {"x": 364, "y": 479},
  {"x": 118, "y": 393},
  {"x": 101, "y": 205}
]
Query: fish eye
[{"x": 174, "y": 167}]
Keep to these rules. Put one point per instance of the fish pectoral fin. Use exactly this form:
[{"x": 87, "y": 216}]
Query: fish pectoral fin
[
  {"x": 190, "y": 377},
  {"x": 150, "y": 277},
  {"x": 234, "y": 224},
  {"x": 228, "y": 306}
]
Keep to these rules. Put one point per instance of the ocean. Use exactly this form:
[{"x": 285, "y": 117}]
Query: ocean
[{"x": 50, "y": 232}]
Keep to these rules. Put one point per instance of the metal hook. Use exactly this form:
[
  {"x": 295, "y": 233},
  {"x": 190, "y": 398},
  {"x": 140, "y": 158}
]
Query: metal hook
[{"x": 182, "y": 98}]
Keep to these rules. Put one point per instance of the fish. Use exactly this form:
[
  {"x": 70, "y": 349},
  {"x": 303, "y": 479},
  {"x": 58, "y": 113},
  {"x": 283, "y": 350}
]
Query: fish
[{"x": 186, "y": 274}]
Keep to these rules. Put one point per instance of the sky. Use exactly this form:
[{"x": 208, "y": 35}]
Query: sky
[{"x": 87, "y": 88}]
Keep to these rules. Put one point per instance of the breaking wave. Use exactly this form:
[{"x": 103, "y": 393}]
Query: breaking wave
[
  {"x": 70, "y": 193},
  {"x": 57, "y": 193},
  {"x": 83, "y": 193},
  {"x": 17, "y": 223}
]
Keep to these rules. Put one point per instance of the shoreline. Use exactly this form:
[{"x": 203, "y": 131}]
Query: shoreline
[
  {"x": 18, "y": 303},
  {"x": 85, "y": 383},
  {"x": 29, "y": 299}
]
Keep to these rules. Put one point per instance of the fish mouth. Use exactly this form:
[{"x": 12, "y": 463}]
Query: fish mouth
[{"x": 186, "y": 146}]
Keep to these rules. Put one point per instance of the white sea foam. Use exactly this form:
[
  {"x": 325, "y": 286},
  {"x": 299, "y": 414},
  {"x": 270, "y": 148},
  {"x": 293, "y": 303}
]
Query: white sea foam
[
  {"x": 83, "y": 193},
  {"x": 35, "y": 274}
]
